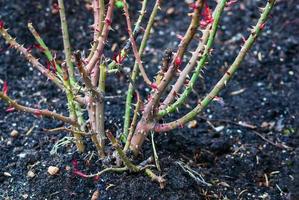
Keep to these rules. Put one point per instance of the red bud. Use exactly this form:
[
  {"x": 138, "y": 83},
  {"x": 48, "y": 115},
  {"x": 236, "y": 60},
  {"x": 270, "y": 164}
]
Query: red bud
[
  {"x": 1, "y": 24},
  {"x": 5, "y": 88},
  {"x": 178, "y": 61},
  {"x": 154, "y": 86},
  {"x": 108, "y": 22},
  {"x": 207, "y": 16},
  {"x": 37, "y": 113}
]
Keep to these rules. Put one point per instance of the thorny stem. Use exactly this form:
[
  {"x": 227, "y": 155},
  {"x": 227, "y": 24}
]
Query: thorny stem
[
  {"x": 52, "y": 61},
  {"x": 34, "y": 61},
  {"x": 133, "y": 123},
  {"x": 101, "y": 40},
  {"x": 135, "y": 68},
  {"x": 146, "y": 123},
  {"x": 255, "y": 32},
  {"x": 71, "y": 73},
  {"x": 137, "y": 29},
  {"x": 100, "y": 113},
  {"x": 90, "y": 88},
  {"x": 72, "y": 108},
  {"x": 110, "y": 169},
  {"x": 202, "y": 62},
  {"x": 99, "y": 12},
  {"x": 190, "y": 66},
  {"x": 121, "y": 153},
  {"x": 134, "y": 45},
  {"x": 46, "y": 50},
  {"x": 37, "y": 112},
  {"x": 131, "y": 166},
  {"x": 178, "y": 57},
  {"x": 66, "y": 42}
]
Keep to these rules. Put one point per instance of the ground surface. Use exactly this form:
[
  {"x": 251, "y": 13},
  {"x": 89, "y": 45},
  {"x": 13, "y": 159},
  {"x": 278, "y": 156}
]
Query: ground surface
[{"x": 235, "y": 160}]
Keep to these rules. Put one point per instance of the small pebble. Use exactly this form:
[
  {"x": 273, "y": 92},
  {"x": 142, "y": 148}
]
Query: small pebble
[
  {"x": 170, "y": 11},
  {"x": 25, "y": 196},
  {"x": 30, "y": 174},
  {"x": 53, "y": 170},
  {"x": 95, "y": 195},
  {"x": 7, "y": 174},
  {"x": 192, "y": 124},
  {"x": 14, "y": 133},
  {"x": 67, "y": 168}
]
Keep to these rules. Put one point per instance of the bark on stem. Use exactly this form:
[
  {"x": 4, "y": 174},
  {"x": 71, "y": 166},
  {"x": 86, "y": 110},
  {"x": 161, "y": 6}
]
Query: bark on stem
[
  {"x": 100, "y": 112},
  {"x": 135, "y": 68},
  {"x": 136, "y": 31},
  {"x": 102, "y": 38},
  {"x": 37, "y": 112},
  {"x": 66, "y": 42},
  {"x": 73, "y": 109},
  {"x": 190, "y": 66},
  {"x": 134, "y": 45},
  {"x": 147, "y": 121},
  {"x": 99, "y": 12},
  {"x": 46, "y": 50},
  {"x": 200, "y": 65}
]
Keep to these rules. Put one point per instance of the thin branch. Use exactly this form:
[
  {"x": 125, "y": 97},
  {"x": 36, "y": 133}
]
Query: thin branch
[
  {"x": 190, "y": 66},
  {"x": 66, "y": 42},
  {"x": 74, "y": 108},
  {"x": 34, "y": 61},
  {"x": 156, "y": 157},
  {"x": 37, "y": 112},
  {"x": 255, "y": 32},
  {"x": 90, "y": 88},
  {"x": 178, "y": 57},
  {"x": 110, "y": 169},
  {"x": 134, "y": 45},
  {"x": 59, "y": 129},
  {"x": 154, "y": 177},
  {"x": 137, "y": 29},
  {"x": 135, "y": 68},
  {"x": 45, "y": 48},
  {"x": 121, "y": 153},
  {"x": 100, "y": 112},
  {"x": 202, "y": 62},
  {"x": 101, "y": 39},
  {"x": 99, "y": 12},
  {"x": 134, "y": 122}
]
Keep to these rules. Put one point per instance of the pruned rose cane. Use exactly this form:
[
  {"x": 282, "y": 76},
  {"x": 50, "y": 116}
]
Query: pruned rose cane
[{"x": 95, "y": 67}]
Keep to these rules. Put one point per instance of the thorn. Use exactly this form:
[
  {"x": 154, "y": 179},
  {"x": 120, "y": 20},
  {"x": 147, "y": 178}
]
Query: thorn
[
  {"x": 179, "y": 36},
  {"x": 231, "y": 2},
  {"x": 262, "y": 26},
  {"x": 243, "y": 39},
  {"x": 10, "y": 109}
]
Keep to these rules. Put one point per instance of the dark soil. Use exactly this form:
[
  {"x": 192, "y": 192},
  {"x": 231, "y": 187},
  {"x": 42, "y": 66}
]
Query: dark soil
[{"x": 234, "y": 159}]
